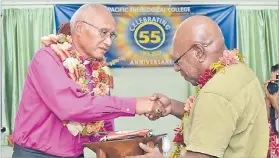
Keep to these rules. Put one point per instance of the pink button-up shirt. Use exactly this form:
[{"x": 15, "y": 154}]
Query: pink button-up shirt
[{"x": 50, "y": 96}]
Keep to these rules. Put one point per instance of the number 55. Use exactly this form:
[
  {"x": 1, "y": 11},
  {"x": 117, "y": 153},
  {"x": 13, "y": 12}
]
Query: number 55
[
  {"x": 146, "y": 37},
  {"x": 155, "y": 37}
]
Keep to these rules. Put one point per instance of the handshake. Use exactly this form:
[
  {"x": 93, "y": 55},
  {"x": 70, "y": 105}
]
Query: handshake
[{"x": 154, "y": 107}]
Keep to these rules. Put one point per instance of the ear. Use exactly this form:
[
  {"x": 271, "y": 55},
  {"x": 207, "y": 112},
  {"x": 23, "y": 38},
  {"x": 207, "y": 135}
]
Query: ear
[
  {"x": 200, "y": 53},
  {"x": 78, "y": 28}
]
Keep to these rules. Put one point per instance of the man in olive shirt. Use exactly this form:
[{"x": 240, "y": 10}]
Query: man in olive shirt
[{"x": 228, "y": 118}]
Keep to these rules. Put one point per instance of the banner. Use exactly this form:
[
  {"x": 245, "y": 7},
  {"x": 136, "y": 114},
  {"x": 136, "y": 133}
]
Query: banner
[{"x": 145, "y": 32}]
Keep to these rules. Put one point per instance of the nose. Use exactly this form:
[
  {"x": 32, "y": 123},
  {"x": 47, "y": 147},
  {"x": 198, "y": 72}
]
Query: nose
[
  {"x": 108, "y": 41},
  {"x": 176, "y": 67}
]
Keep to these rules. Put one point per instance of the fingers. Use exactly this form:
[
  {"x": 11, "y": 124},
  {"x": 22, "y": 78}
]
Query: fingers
[
  {"x": 165, "y": 101},
  {"x": 266, "y": 82},
  {"x": 151, "y": 116},
  {"x": 11, "y": 141},
  {"x": 146, "y": 148},
  {"x": 159, "y": 107},
  {"x": 155, "y": 96},
  {"x": 144, "y": 106},
  {"x": 272, "y": 80},
  {"x": 156, "y": 112}
]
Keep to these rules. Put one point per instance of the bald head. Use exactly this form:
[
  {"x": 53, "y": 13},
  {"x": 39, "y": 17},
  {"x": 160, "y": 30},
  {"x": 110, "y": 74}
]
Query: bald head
[
  {"x": 92, "y": 11},
  {"x": 198, "y": 42},
  {"x": 199, "y": 29}
]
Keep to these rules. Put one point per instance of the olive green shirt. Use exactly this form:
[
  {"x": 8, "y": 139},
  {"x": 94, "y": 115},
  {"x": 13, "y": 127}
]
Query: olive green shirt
[{"x": 229, "y": 118}]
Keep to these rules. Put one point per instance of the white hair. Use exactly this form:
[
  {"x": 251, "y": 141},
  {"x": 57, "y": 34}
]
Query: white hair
[{"x": 81, "y": 14}]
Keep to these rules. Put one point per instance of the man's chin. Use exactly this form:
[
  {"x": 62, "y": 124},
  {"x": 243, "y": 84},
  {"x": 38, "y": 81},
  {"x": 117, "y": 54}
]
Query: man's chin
[
  {"x": 195, "y": 84},
  {"x": 98, "y": 56}
]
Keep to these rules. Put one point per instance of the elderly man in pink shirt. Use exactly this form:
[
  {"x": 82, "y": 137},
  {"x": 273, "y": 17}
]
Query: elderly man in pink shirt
[{"x": 50, "y": 96}]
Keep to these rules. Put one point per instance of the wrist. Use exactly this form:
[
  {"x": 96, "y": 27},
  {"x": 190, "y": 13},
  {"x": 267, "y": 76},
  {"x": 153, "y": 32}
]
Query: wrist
[
  {"x": 172, "y": 107},
  {"x": 137, "y": 107},
  {"x": 177, "y": 109}
]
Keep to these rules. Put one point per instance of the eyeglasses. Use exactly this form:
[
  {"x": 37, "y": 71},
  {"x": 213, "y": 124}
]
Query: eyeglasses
[
  {"x": 104, "y": 33},
  {"x": 193, "y": 46}
]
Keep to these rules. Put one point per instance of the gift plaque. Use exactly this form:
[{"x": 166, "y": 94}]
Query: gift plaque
[{"x": 121, "y": 144}]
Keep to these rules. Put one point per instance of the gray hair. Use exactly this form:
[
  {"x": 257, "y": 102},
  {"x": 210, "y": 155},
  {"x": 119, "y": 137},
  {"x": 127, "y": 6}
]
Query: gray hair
[{"x": 81, "y": 14}]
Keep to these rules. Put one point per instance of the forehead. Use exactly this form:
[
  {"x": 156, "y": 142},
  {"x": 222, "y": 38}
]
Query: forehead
[
  {"x": 103, "y": 22},
  {"x": 180, "y": 45}
]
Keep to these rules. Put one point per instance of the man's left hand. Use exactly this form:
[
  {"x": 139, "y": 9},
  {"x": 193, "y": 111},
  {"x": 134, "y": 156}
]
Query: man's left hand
[
  {"x": 164, "y": 101},
  {"x": 151, "y": 152},
  {"x": 272, "y": 97}
]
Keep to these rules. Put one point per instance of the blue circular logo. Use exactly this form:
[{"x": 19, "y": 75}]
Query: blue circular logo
[{"x": 149, "y": 35}]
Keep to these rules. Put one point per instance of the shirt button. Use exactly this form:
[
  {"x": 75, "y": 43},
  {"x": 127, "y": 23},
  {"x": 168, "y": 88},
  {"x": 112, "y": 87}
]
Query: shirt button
[{"x": 127, "y": 109}]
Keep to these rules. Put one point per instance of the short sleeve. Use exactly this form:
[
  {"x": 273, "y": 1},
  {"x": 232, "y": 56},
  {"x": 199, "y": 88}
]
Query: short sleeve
[{"x": 213, "y": 124}]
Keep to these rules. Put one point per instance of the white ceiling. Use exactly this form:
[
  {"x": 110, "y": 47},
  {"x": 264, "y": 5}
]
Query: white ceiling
[{"x": 246, "y": 3}]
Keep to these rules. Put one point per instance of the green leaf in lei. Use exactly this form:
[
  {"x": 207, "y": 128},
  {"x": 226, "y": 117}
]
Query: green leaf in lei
[
  {"x": 86, "y": 81},
  {"x": 63, "y": 39},
  {"x": 84, "y": 131}
]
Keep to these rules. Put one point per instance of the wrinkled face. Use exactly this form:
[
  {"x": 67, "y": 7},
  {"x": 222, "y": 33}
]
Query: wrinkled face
[
  {"x": 95, "y": 35},
  {"x": 185, "y": 61}
]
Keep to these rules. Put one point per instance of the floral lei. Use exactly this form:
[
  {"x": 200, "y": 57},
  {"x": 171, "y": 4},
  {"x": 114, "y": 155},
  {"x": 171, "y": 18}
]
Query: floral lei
[
  {"x": 229, "y": 57},
  {"x": 75, "y": 67}
]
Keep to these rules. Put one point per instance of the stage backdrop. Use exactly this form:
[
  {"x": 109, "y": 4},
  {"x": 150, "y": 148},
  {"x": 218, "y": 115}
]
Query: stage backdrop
[{"x": 145, "y": 32}]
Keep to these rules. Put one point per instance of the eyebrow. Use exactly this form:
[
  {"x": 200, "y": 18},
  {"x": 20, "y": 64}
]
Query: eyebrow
[{"x": 104, "y": 28}]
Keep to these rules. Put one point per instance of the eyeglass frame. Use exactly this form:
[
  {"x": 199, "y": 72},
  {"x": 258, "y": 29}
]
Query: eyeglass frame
[
  {"x": 177, "y": 60},
  {"x": 100, "y": 31}
]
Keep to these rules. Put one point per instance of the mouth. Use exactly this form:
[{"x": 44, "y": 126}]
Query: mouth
[{"x": 103, "y": 48}]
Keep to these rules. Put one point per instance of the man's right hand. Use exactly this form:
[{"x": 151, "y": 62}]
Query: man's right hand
[
  {"x": 146, "y": 106},
  {"x": 165, "y": 103}
]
